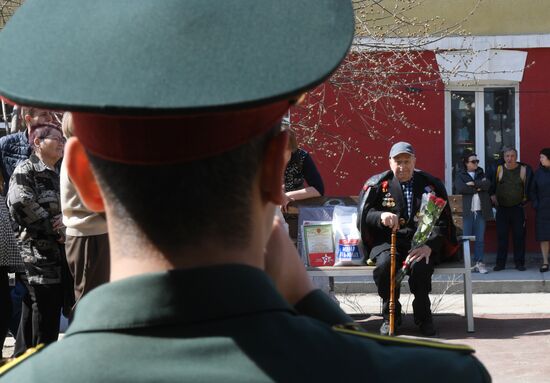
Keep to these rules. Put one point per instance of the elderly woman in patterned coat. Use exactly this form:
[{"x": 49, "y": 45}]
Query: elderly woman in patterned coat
[{"x": 34, "y": 203}]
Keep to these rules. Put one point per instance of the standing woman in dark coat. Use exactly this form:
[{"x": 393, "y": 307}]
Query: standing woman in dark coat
[
  {"x": 471, "y": 182},
  {"x": 540, "y": 198}
]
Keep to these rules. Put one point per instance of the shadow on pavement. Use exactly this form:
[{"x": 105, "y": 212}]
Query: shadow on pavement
[{"x": 453, "y": 326}]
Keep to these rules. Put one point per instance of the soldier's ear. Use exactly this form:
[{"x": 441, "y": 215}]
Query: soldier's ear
[
  {"x": 273, "y": 168},
  {"x": 80, "y": 173}
]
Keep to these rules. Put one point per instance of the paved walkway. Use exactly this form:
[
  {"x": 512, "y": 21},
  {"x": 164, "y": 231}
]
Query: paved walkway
[
  {"x": 512, "y": 336},
  {"x": 514, "y": 348}
]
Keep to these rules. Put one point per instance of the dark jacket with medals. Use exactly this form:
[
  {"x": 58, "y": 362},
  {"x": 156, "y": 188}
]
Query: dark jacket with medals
[{"x": 383, "y": 193}]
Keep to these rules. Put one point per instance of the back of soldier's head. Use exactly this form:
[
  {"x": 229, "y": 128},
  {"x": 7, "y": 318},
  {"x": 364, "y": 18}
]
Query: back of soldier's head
[{"x": 186, "y": 203}]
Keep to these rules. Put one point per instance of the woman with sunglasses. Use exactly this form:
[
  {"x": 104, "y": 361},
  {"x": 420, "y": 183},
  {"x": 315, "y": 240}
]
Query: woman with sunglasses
[
  {"x": 471, "y": 182},
  {"x": 34, "y": 203}
]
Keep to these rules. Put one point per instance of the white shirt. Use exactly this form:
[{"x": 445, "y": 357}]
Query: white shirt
[{"x": 476, "y": 202}]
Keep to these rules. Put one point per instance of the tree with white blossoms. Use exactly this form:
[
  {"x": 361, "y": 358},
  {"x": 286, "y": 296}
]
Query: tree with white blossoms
[
  {"x": 389, "y": 69},
  {"x": 7, "y": 7}
]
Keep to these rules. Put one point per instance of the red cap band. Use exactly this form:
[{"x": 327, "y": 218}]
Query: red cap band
[{"x": 165, "y": 139}]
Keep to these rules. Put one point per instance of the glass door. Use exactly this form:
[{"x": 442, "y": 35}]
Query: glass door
[
  {"x": 481, "y": 120},
  {"x": 463, "y": 124},
  {"x": 463, "y": 127},
  {"x": 500, "y": 124}
]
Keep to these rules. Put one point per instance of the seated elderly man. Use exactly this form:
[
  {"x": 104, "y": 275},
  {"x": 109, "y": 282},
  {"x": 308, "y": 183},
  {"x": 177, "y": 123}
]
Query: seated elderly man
[{"x": 391, "y": 201}]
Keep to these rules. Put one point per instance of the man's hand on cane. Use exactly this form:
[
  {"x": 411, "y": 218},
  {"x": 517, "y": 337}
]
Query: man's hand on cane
[{"x": 390, "y": 220}]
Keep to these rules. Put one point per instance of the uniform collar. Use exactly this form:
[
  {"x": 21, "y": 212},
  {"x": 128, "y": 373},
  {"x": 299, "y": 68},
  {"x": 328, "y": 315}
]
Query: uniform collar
[{"x": 178, "y": 297}]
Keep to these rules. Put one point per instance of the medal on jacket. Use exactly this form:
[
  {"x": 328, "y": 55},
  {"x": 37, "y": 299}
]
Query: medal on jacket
[{"x": 388, "y": 200}]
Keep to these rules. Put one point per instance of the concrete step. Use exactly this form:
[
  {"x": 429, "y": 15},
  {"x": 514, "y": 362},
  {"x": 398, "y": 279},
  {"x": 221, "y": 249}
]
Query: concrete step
[{"x": 507, "y": 281}]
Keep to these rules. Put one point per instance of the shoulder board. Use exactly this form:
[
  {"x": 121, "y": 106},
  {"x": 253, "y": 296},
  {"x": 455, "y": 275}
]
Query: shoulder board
[
  {"x": 14, "y": 362},
  {"x": 354, "y": 329},
  {"x": 376, "y": 179}
]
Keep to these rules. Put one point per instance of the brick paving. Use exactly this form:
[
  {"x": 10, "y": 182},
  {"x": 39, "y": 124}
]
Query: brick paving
[{"x": 515, "y": 348}]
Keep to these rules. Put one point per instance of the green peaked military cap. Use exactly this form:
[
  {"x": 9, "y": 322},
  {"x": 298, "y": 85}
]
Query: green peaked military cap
[{"x": 169, "y": 56}]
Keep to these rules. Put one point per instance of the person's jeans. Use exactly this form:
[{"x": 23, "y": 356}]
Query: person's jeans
[
  {"x": 17, "y": 293},
  {"x": 474, "y": 224},
  {"x": 514, "y": 218}
]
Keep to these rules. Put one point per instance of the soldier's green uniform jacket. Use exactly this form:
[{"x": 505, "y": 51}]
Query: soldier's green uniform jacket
[{"x": 226, "y": 324}]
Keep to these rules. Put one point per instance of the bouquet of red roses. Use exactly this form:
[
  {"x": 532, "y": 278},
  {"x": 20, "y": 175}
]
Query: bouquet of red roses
[{"x": 430, "y": 210}]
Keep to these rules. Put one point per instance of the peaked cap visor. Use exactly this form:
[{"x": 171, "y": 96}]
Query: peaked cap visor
[{"x": 150, "y": 57}]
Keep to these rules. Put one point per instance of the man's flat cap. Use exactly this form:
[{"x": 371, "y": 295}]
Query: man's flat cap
[
  {"x": 401, "y": 148},
  {"x": 170, "y": 56}
]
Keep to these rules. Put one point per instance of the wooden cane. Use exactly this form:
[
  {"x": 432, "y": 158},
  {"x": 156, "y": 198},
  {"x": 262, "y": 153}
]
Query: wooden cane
[{"x": 392, "y": 282}]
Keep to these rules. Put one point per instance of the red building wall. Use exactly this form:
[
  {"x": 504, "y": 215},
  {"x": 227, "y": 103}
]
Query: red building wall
[
  {"x": 534, "y": 109},
  {"x": 345, "y": 172}
]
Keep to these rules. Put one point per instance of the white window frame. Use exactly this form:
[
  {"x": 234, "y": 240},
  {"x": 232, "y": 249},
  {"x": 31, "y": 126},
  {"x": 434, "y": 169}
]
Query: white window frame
[{"x": 480, "y": 124}]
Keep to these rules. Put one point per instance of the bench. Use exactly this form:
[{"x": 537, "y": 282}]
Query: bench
[{"x": 462, "y": 267}]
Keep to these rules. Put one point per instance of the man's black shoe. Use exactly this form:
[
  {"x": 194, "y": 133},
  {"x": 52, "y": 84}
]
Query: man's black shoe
[
  {"x": 498, "y": 268},
  {"x": 427, "y": 328},
  {"x": 385, "y": 328},
  {"x": 520, "y": 268}
]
